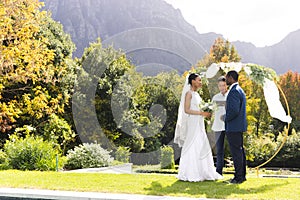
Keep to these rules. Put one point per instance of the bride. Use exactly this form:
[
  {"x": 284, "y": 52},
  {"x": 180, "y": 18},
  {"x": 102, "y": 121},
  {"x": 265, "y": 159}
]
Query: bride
[{"x": 196, "y": 161}]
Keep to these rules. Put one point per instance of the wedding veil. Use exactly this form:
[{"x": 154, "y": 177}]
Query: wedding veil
[{"x": 181, "y": 125}]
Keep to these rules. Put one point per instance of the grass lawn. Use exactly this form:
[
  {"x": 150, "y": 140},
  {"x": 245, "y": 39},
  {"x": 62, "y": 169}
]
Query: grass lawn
[{"x": 154, "y": 184}]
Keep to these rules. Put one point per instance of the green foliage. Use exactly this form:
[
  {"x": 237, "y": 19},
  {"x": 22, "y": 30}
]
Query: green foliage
[
  {"x": 163, "y": 92},
  {"x": 259, "y": 73},
  {"x": 58, "y": 131},
  {"x": 102, "y": 68},
  {"x": 3, "y": 160},
  {"x": 123, "y": 154},
  {"x": 30, "y": 153},
  {"x": 289, "y": 155},
  {"x": 136, "y": 142},
  {"x": 58, "y": 40},
  {"x": 2, "y": 156},
  {"x": 88, "y": 156},
  {"x": 167, "y": 157},
  {"x": 36, "y": 67},
  {"x": 259, "y": 148},
  {"x": 147, "y": 110}
]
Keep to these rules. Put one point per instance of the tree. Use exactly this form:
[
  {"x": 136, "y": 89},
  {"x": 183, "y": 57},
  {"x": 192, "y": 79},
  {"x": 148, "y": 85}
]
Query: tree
[
  {"x": 290, "y": 84},
  {"x": 101, "y": 70},
  {"x": 221, "y": 51},
  {"x": 161, "y": 94},
  {"x": 21, "y": 54},
  {"x": 148, "y": 110},
  {"x": 35, "y": 66}
]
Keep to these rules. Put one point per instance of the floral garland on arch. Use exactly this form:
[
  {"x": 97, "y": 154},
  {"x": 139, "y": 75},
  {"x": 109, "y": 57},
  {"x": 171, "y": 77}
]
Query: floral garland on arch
[
  {"x": 264, "y": 76},
  {"x": 257, "y": 73}
]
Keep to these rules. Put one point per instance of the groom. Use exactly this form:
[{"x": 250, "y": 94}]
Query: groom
[{"x": 235, "y": 125}]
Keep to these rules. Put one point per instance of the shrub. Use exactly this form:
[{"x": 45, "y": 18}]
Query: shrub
[
  {"x": 2, "y": 157},
  {"x": 167, "y": 157},
  {"x": 123, "y": 154},
  {"x": 289, "y": 155},
  {"x": 3, "y": 161},
  {"x": 59, "y": 131},
  {"x": 30, "y": 153},
  {"x": 260, "y": 148},
  {"x": 135, "y": 142},
  {"x": 88, "y": 156}
]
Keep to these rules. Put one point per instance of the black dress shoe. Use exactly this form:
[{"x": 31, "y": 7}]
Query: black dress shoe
[
  {"x": 237, "y": 181},
  {"x": 244, "y": 179}
]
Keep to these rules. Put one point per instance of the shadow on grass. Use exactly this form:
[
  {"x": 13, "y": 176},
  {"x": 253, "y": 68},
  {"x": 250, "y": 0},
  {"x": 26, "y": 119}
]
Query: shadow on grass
[{"x": 209, "y": 189}]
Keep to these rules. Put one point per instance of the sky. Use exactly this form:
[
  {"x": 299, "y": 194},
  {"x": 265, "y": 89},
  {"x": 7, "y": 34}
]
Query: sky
[{"x": 261, "y": 22}]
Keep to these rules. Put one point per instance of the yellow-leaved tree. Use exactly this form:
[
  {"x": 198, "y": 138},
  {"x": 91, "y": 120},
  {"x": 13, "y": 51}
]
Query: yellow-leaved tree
[{"x": 35, "y": 74}]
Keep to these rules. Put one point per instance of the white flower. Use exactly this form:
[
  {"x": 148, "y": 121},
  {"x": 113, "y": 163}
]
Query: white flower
[{"x": 207, "y": 106}]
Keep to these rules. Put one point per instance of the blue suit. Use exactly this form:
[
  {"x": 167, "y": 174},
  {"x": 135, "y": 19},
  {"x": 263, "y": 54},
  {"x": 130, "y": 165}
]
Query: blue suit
[
  {"x": 235, "y": 125},
  {"x": 235, "y": 120}
]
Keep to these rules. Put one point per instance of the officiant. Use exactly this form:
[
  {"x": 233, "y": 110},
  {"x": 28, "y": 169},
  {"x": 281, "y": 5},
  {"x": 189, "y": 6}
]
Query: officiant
[{"x": 218, "y": 125}]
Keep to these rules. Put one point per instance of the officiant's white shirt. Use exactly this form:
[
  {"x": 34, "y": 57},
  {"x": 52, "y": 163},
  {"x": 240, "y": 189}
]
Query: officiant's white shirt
[{"x": 218, "y": 124}]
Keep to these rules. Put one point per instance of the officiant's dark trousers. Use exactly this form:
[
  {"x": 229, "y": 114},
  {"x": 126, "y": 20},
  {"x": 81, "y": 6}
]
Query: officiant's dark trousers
[
  {"x": 220, "y": 136},
  {"x": 235, "y": 140}
]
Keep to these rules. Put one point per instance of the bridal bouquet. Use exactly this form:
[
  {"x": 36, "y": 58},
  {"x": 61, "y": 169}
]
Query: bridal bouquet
[{"x": 207, "y": 106}]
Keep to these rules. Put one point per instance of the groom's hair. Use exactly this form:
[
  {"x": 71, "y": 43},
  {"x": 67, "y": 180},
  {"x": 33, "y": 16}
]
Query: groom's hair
[
  {"x": 192, "y": 76},
  {"x": 233, "y": 74}
]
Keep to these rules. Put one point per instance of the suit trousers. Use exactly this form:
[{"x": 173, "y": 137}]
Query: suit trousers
[
  {"x": 235, "y": 141},
  {"x": 220, "y": 136}
]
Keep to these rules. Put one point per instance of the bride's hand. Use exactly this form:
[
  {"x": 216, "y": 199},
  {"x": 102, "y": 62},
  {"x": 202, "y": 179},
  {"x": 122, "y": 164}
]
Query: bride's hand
[{"x": 206, "y": 114}]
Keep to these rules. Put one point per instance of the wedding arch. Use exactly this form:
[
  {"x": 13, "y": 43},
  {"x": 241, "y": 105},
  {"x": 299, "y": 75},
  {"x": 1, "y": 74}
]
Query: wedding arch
[{"x": 267, "y": 78}]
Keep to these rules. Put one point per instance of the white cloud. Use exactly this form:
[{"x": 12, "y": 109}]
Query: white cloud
[{"x": 261, "y": 22}]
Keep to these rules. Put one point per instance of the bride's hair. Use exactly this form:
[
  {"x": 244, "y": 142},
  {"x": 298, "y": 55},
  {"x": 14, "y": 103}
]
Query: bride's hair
[{"x": 192, "y": 76}]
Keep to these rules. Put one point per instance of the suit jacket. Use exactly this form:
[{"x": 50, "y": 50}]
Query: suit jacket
[{"x": 235, "y": 118}]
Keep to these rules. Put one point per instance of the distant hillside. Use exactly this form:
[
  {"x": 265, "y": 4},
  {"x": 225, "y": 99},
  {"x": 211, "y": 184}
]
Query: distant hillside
[
  {"x": 155, "y": 36},
  {"x": 282, "y": 56}
]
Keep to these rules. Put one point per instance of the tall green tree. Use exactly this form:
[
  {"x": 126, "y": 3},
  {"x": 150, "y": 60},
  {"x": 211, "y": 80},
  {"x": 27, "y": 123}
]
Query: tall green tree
[
  {"x": 101, "y": 70},
  {"x": 156, "y": 101}
]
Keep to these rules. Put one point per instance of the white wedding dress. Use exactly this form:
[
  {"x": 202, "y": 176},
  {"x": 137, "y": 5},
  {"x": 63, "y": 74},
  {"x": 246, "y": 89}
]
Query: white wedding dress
[{"x": 196, "y": 161}]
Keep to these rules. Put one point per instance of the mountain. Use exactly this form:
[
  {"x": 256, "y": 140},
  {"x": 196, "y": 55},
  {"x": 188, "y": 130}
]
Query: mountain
[
  {"x": 282, "y": 56},
  {"x": 155, "y": 36}
]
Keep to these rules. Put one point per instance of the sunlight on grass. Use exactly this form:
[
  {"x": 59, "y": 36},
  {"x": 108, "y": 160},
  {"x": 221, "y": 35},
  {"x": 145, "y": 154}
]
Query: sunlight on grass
[{"x": 153, "y": 184}]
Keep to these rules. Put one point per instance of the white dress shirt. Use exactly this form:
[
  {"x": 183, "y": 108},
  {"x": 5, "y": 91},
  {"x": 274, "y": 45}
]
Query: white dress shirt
[{"x": 218, "y": 124}]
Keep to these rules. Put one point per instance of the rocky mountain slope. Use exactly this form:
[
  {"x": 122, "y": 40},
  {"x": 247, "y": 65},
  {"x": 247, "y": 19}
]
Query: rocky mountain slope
[{"x": 155, "y": 36}]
